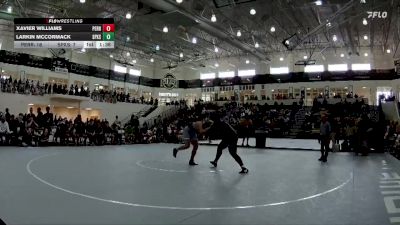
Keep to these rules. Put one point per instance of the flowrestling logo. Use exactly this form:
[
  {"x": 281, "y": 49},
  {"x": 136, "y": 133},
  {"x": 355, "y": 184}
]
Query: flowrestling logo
[{"x": 377, "y": 14}]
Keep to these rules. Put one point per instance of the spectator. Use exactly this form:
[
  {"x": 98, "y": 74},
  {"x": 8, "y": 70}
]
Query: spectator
[
  {"x": 325, "y": 133},
  {"x": 4, "y": 131},
  {"x": 39, "y": 117},
  {"x": 48, "y": 118},
  {"x": 7, "y": 114}
]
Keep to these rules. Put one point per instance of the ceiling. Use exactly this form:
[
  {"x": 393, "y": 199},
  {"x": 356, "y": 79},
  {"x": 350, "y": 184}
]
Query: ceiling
[{"x": 308, "y": 27}]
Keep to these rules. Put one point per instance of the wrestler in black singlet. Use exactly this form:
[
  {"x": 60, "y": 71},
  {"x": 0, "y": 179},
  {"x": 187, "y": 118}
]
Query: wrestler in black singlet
[{"x": 229, "y": 140}]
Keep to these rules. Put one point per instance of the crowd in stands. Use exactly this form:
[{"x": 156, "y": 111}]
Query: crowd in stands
[
  {"x": 42, "y": 129},
  {"x": 245, "y": 118},
  {"x": 355, "y": 123},
  {"x": 31, "y": 87}
]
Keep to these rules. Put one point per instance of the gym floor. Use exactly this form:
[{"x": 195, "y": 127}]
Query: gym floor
[{"x": 144, "y": 184}]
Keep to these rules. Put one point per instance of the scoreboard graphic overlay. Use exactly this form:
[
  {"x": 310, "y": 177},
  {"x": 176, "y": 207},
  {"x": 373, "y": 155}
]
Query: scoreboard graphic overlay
[{"x": 64, "y": 33}]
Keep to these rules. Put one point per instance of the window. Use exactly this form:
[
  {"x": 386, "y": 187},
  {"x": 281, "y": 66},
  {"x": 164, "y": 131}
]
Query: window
[
  {"x": 279, "y": 70},
  {"x": 120, "y": 69},
  {"x": 226, "y": 74},
  {"x": 314, "y": 68},
  {"x": 337, "y": 67},
  {"x": 135, "y": 72},
  {"x": 357, "y": 67},
  {"x": 206, "y": 76},
  {"x": 246, "y": 73}
]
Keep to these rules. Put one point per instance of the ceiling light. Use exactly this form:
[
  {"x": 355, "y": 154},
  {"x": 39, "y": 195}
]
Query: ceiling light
[
  {"x": 342, "y": 55},
  {"x": 179, "y": 1},
  {"x": 70, "y": 107},
  {"x": 31, "y": 104},
  {"x": 365, "y": 37},
  {"x": 388, "y": 51},
  {"x": 334, "y": 38},
  {"x": 151, "y": 60},
  {"x": 287, "y": 42},
  {"x": 318, "y": 2},
  {"x": 305, "y": 57},
  {"x": 111, "y": 56},
  {"x": 272, "y": 29},
  {"x": 281, "y": 58},
  {"x": 128, "y": 38},
  {"x": 194, "y": 40},
  {"x": 364, "y": 87},
  {"x": 165, "y": 29},
  {"x": 256, "y": 45},
  {"x": 157, "y": 48},
  {"x": 216, "y": 65},
  {"x": 365, "y": 22},
  {"x": 9, "y": 9},
  {"x": 213, "y": 18},
  {"x": 329, "y": 24},
  {"x": 181, "y": 55},
  {"x": 128, "y": 15},
  {"x": 134, "y": 61},
  {"x": 88, "y": 109},
  {"x": 216, "y": 49},
  {"x": 253, "y": 12},
  {"x": 247, "y": 61},
  {"x": 82, "y": 1},
  {"x": 128, "y": 54},
  {"x": 239, "y": 33},
  {"x": 366, "y": 54}
]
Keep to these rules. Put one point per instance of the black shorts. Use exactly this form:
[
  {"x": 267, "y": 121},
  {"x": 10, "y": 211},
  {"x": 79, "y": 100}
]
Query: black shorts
[{"x": 230, "y": 143}]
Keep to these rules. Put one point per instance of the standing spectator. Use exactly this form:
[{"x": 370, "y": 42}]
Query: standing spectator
[
  {"x": 245, "y": 128},
  {"x": 325, "y": 132},
  {"x": 31, "y": 114},
  {"x": 39, "y": 117},
  {"x": 4, "y": 131},
  {"x": 364, "y": 128},
  {"x": 335, "y": 127},
  {"x": 48, "y": 118},
  {"x": 117, "y": 123},
  {"x": 79, "y": 129},
  {"x": 7, "y": 115}
]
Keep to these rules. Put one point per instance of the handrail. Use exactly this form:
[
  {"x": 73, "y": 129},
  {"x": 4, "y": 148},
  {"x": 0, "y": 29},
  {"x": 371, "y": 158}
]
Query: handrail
[{"x": 167, "y": 113}]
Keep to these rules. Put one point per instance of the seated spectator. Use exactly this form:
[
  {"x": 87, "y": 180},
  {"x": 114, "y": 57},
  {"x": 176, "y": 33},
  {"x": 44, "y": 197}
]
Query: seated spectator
[{"x": 44, "y": 137}]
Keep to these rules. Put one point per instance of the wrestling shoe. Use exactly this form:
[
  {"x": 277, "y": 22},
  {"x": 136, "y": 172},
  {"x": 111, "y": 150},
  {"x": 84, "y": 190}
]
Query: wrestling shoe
[
  {"x": 213, "y": 163},
  {"x": 192, "y": 163},
  {"x": 174, "y": 152},
  {"x": 244, "y": 170}
]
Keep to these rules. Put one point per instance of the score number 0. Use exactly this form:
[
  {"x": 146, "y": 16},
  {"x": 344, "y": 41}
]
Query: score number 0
[
  {"x": 108, "y": 28},
  {"x": 108, "y": 32}
]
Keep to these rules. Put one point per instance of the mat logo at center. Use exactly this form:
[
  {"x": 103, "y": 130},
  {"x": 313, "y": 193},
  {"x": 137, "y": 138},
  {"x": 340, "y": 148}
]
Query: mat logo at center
[{"x": 169, "y": 81}]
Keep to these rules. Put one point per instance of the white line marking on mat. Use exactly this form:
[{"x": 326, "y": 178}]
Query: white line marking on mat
[
  {"x": 28, "y": 168},
  {"x": 140, "y": 163}
]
